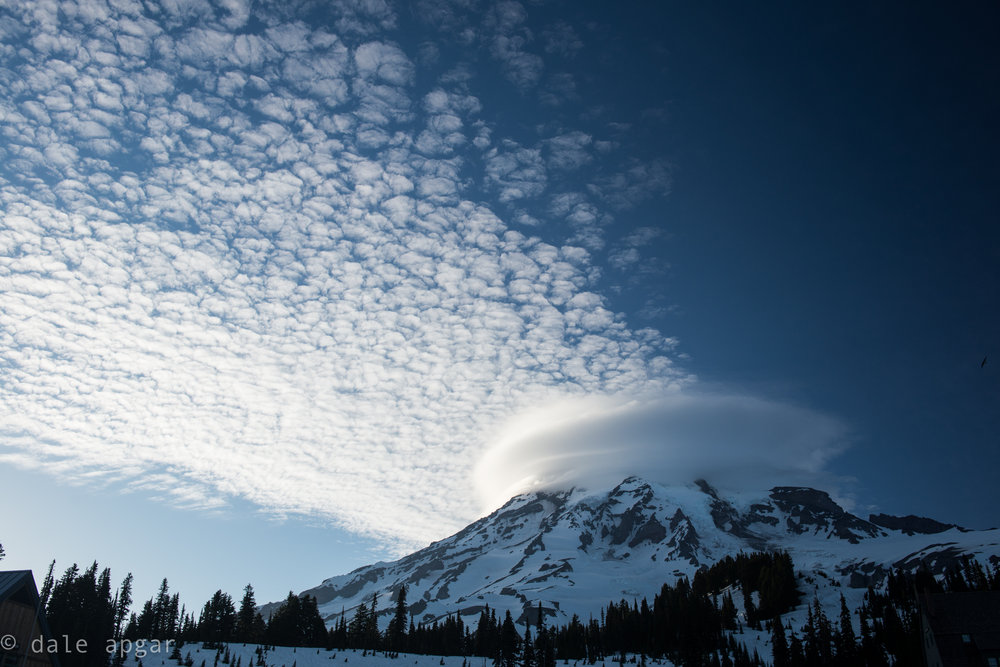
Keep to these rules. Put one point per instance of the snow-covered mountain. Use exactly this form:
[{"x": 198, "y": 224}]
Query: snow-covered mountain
[{"x": 573, "y": 552}]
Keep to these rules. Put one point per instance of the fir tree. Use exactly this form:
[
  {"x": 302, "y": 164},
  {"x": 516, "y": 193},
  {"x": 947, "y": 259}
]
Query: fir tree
[
  {"x": 508, "y": 652},
  {"x": 396, "y": 632},
  {"x": 779, "y": 644},
  {"x": 46, "y": 585},
  {"x": 528, "y": 659},
  {"x": 372, "y": 636},
  {"x": 218, "y": 619},
  {"x": 80, "y": 607},
  {"x": 357, "y": 631},
  {"x": 824, "y": 634},
  {"x": 845, "y": 639},
  {"x": 247, "y": 629},
  {"x": 122, "y": 604}
]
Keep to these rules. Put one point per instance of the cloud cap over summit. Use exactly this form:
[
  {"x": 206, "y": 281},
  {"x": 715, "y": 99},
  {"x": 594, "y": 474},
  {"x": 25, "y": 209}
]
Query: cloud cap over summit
[{"x": 736, "y": 441}]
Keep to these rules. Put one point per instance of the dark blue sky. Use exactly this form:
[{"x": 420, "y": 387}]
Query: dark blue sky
[{"x": 834, "y": 231}]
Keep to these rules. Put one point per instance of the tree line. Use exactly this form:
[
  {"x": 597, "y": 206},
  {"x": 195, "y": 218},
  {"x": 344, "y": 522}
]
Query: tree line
[
  {"x": 693, "y": 623},
  {"x": 685, "y": 622},
  {"x": 889, "y": 621}
]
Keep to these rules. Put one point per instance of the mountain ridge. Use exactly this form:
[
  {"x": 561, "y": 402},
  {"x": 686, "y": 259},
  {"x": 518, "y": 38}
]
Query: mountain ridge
[{"x": 572, "y": 552}]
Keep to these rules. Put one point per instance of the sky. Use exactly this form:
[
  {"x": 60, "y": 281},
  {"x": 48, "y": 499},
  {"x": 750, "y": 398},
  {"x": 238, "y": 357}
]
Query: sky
[{"x": 290, "y": 287}]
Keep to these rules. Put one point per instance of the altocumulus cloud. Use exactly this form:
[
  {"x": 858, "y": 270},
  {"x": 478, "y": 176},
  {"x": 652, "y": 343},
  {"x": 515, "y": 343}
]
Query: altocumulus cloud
[{"x": 237, "y": 259}]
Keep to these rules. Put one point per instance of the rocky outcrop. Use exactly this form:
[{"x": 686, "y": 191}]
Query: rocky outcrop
[
  {"x": 811, "y": 510},
  {"x": 912, "y": 525}
]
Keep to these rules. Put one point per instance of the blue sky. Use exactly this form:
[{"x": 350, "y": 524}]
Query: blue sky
[{"x": 291, "y": 287}]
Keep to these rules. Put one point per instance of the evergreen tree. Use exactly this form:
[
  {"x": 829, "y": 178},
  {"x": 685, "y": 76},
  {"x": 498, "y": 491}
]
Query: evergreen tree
[
  {"x": 373, "y": 637},
  {"x": 297, "y": 622},
  {"x": 160, "y": 612},
  {"x": 872, "y": 654},
  {"x": 545, "y": 654},
  {"x": 122, "y": 604},
  {"x": 46, "y": 585},
  {"x": 144, "y": 622},
  {"x": 81, "y": 608},
  {"x": 247, "y": 629},
  {"x": 824, "y": 634},
  {"x": 338, "y": 636},
  {"x": 218, "y": 619},
  {"x": 750, "y": 608},
  {"x": 796, "y": 652},
  {"x": 509, "y": 648},
  {"x": 529, "y": 650},
  {"x": 131, "y": 630},
  {"x": 357, "y": 631},
  {"x": 809, "y": 642},
  {"x": 779, "y": 644},
  {"x": 312, "y": 627},
  {"x": 728, "y": 612},
  {"x": 396, "y": 632},
  {"x": 845, "y": 639}
]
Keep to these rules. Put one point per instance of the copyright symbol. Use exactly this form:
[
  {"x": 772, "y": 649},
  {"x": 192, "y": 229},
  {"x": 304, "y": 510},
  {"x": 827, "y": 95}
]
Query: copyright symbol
[{"x": 8, "y": 643}]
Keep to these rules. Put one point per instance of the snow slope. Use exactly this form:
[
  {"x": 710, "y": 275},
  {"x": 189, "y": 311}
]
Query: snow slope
[
  {"x": 286, "y": 656},
  {"x": 573, "y": 552}
]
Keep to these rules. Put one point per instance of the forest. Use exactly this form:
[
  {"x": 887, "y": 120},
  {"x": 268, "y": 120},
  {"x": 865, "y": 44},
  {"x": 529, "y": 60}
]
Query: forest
[{"x": 692, "y": 623}]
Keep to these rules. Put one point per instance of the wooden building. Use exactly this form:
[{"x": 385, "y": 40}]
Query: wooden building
[
  {"x": 961, "y": 629},
  {"x": 24, "y": 633}
]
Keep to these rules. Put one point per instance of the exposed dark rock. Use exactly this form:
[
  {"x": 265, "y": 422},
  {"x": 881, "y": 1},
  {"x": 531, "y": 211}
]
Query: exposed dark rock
[
  {"x": 936, "y": 558},
  {"x": 509, "y": 512},
  {"x": 529, "y": 613},
  {"x": 911, "y": 525},
  {"x": 811, "y": 509},
  {"x": 864, "y": 574},
  {"x": 554, "y": 570},
  {"x": 816, "y": 501},
  {"x": 726, "y": 518},
  {"x": 642, "y": 492},
  {"x": 425, "y": 569},
  {"x": 705, "y": 487},
  {"x": 535, "y": 545},
  {"x": 685, "y": 538},
  {"x": 626, "y": 525},
  {"x": 761, "y": 513},
  {"x": 652, "y": 531},
  {"x": 324, "y": 594}
]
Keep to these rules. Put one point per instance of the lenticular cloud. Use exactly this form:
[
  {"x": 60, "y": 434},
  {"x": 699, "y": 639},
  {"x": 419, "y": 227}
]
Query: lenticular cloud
[
  {"x": 240, "y": 259},
  {"x": 735, "y": 442}
]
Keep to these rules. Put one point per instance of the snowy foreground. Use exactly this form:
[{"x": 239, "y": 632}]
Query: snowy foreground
[{"x": 286, "y": 656}]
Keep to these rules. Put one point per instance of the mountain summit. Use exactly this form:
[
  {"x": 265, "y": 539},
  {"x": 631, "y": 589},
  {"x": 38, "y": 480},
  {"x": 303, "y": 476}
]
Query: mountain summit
[{"x": 573, "y": 552}]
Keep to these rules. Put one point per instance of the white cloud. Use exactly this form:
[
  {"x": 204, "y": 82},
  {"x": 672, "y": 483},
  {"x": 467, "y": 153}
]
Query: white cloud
[
  {"x": 256, "y": 266},
  {"x": 517, "y": 172},
  {"x": 634, "y": 183},
  {"x": 735, "y": 442},
  {"x": 383, "y": 62},
  {"x": 569, "y": 150},
  {"x": 562, "y": 39},
  {"x": 625, "y": 254}
]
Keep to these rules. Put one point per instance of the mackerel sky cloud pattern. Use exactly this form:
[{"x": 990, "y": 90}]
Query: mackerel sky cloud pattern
[{"x": 249, "y": 254}]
